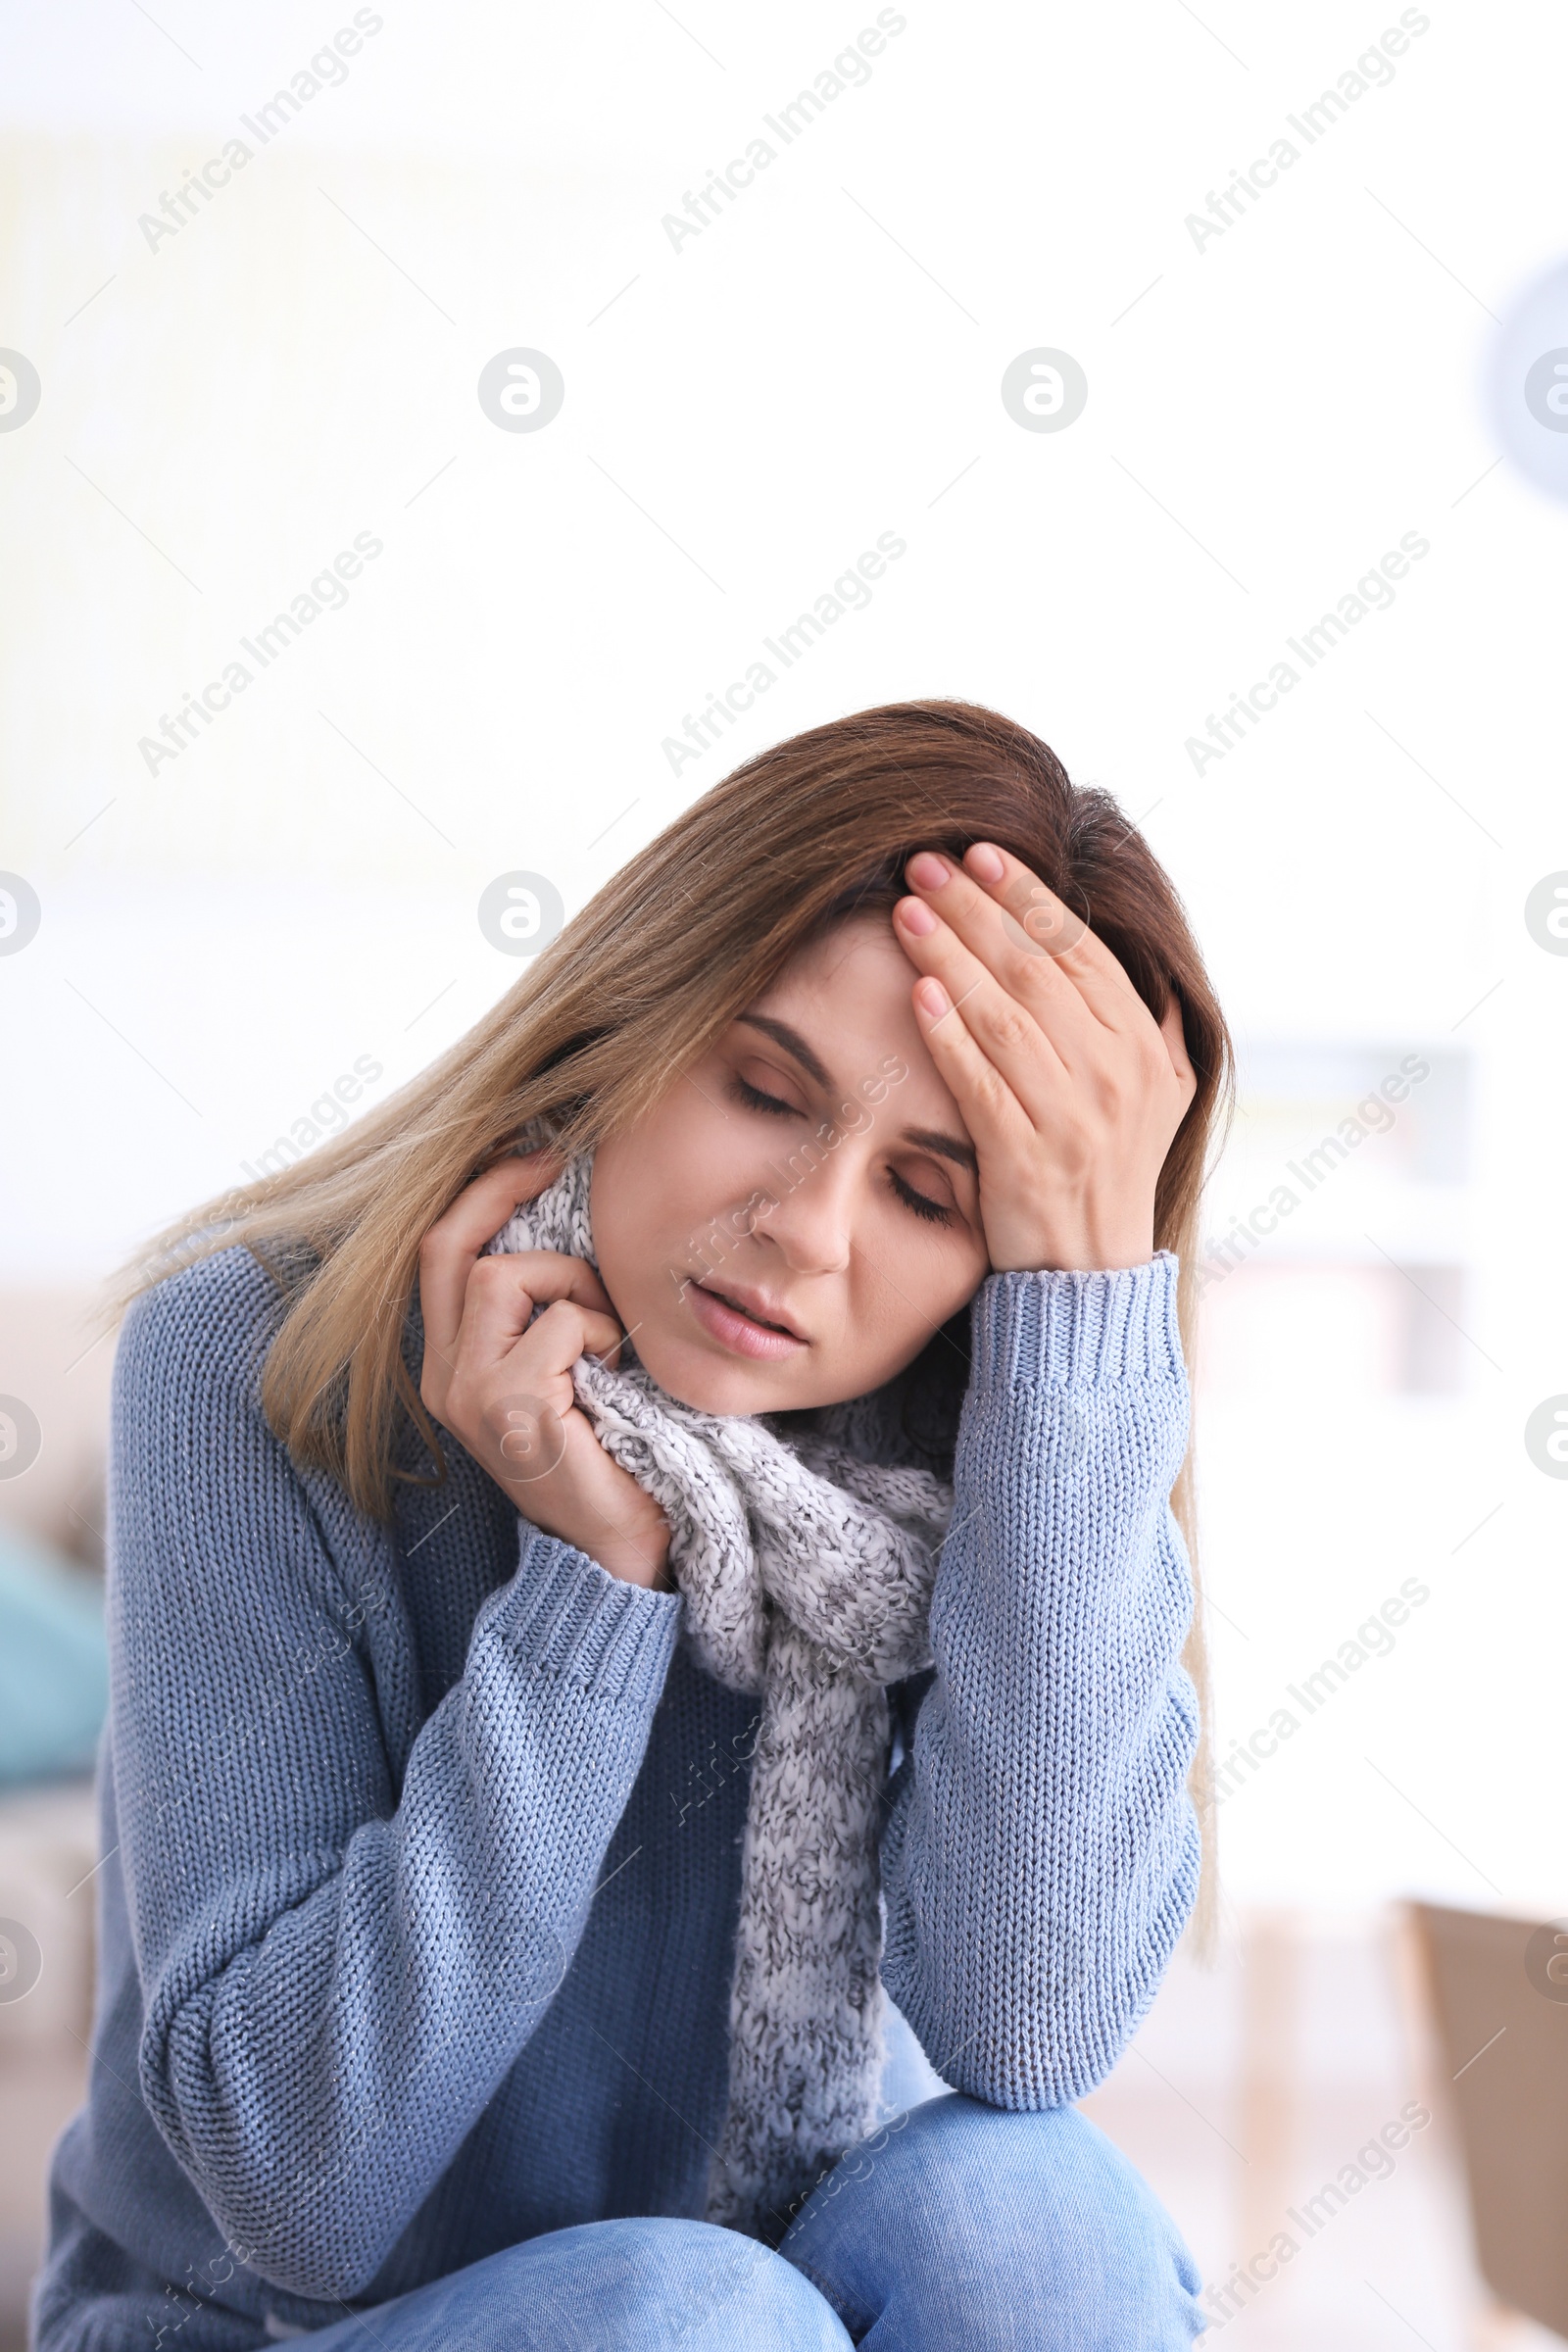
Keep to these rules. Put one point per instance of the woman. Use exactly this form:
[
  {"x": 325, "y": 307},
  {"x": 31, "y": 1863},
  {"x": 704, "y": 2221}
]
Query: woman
[{"x": 559, "y": 1614}]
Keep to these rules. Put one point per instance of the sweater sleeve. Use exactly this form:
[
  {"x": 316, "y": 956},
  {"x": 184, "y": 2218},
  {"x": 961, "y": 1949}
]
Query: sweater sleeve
[
  {"x": 1041, "y": 1854},
  {"x": 338, "y": 1967}
]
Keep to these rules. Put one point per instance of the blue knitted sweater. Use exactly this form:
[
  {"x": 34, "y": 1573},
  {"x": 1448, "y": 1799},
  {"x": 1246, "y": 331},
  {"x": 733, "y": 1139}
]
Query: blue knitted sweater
[{"x": 417, "y": 1917}]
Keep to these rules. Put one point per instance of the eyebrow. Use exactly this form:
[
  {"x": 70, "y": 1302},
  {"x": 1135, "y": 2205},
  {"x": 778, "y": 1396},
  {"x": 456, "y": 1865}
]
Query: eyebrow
[
  {"x": 945, "y": 1146},
  {"x": 926, "y": 1139},
  {"x": 792, "y": 1043}
]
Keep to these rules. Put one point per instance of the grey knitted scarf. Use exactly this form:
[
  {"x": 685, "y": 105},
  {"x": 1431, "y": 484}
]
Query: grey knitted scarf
[{"x": 807, "y": 1570}]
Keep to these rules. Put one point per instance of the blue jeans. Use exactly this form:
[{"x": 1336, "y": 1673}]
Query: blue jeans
[{"x": 955, "y": 2224}]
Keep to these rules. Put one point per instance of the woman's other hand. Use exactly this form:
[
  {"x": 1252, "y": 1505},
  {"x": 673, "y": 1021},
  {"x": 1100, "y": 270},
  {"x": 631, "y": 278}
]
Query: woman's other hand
[
  {"x": 1071, "y": 1089},
  {"x": 503, "y": 1386}
]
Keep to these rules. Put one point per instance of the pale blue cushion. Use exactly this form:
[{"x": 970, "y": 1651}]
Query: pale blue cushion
[{"x": 54, "y": 1666}]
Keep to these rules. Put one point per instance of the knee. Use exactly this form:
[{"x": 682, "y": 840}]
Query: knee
[
  {"x": 640, "y": 2280},
  {"x": 961, "y": 2212},
  {"x": 694, "y": 2287}
]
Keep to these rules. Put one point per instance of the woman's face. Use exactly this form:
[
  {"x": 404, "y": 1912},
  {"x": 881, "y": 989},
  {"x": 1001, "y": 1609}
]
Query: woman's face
[{"x": 795, "y": 1218}]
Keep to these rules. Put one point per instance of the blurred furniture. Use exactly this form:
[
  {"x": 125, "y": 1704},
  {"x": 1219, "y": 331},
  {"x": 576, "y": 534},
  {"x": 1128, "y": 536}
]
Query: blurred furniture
[
  {"x": 57, "y": 1358},
  {"x": 48, "y": 1847},
  {"x": 53, "y": 1662},
  {"x": 53, "y": 1358},
  {"x": 1497, "y": 1992}
]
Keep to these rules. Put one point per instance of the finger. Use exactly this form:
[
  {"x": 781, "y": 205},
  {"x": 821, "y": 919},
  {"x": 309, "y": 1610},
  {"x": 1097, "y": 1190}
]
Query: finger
[
  {"x": 528, "y": 1387},
  {"x": 1033, "y": 1062},
  {"x": 1036, "y": 940},
  {"x": 554, "y": 1274},
  {"x": 1099, "y": 976},
  {"x": 991, "y": 1111},
  {"x": 564, "y": 1332},
  {"x": 504, "y": 1290},
  {"x": 454, "y": 1241},
  {"x": 1024, "y": 969}
]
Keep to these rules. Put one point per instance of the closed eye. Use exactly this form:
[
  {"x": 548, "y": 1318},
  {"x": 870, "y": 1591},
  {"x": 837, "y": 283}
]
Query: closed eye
[
  {"x": 933, "y": 1211},
  {"x": 755, "y": 1097},
  {"x": 751, "y": 1098}
]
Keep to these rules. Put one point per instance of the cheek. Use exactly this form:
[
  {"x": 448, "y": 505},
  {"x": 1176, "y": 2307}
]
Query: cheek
[
  {"x": 907, "y": 1286},
  {"x": 655, "y": 1187},
  {"x": 626, "y": 1214}
]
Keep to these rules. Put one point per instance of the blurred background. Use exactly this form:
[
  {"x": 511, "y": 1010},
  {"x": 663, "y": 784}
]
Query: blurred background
[{"x": 1208, "y": 374}]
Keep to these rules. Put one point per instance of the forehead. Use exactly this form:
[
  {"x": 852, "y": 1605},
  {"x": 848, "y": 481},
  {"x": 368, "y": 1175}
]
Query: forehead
[
  {"x": 847, "y": 993},
  {"x": 852, "y": 973}
]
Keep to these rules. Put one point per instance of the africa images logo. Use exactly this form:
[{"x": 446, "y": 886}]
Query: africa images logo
[
  {"x": 21, "y": 390},
  {"x": 521, "y": 390}
]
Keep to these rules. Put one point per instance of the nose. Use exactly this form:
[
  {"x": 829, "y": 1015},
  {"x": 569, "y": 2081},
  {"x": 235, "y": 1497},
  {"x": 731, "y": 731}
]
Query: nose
[{"x": 816, "y": 1191}]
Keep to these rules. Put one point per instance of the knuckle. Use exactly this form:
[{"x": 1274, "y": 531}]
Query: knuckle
[
  {"x": 991, "y": 1090},
  {"x": 1010, "y": 1028},
  {"x": 1109, "y": 1099},
  {"x": 1029, "y": 971}
]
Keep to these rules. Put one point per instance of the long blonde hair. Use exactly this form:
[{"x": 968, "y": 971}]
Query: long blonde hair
[{"x": 635, "y": 989}]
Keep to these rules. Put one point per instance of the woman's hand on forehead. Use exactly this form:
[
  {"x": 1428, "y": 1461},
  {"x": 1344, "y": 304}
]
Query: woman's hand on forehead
[{"x": 1069, "y": 1087}]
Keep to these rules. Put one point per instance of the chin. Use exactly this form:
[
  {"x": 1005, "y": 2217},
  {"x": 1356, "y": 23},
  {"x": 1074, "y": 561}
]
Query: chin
[{"x": 710, "y": 1384}]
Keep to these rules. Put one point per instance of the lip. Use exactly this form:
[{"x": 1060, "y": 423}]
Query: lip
[{"x": 745, "y": 1322}]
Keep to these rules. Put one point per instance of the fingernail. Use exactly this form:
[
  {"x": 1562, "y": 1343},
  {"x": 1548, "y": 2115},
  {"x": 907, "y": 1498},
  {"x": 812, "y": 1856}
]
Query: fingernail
[
  {"x": 916, "y": 918},
  {"x": 927, "y": 872},
  {"x": 932, "y": 997},
  {"x": 985, "y": 862}
]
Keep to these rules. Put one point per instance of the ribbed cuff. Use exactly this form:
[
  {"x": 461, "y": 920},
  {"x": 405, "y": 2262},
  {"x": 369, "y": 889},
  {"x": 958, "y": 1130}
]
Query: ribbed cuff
[
  {"x": 1047, "y": 1329},
  {"x": 571, "y": 1618}
]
